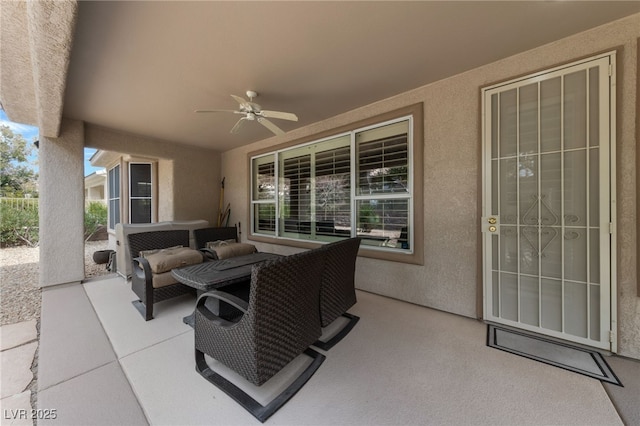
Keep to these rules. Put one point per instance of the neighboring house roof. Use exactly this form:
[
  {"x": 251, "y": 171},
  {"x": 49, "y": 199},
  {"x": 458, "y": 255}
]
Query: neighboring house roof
[
  {"x": 98, "y": 181},
  {"x": 99, "y": 177},
  {"x": 102, "y": 158}
]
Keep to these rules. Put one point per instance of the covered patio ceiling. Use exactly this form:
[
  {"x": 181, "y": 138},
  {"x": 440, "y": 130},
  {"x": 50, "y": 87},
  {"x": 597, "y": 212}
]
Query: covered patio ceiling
[{"x": 144, "y": 67}]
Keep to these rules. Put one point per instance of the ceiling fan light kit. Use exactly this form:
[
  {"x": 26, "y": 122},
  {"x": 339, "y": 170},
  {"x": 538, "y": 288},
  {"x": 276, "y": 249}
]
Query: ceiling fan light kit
[{"x": 254, "y": 112}]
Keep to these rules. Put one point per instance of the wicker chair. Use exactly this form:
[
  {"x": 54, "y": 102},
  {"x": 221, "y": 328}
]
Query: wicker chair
[
  {"x": 222, "y": 233},
  {"x": 337, "y": 293},
  {"x": 204, "y": 235},
  {"x": 280, "y": 322},
  {"x": 141, "y": 274}
]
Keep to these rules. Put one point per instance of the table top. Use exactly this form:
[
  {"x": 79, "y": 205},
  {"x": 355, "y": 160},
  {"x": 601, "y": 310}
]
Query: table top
[{"x": 218, "y": 273}]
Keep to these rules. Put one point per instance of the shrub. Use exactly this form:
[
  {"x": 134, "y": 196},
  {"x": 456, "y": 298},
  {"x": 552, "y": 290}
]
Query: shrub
[
  {"x": 18, "y": 225},
  {"x": 95, "y": 215},
  {"x": 367, "y": 218}
]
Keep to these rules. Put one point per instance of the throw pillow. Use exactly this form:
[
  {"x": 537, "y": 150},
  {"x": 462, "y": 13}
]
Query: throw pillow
[
  {"x": 167, "y": 259},
  {"x": 225, "y": 251},
  {"x": 145, "y": 253},
  {"x": 214, "y": 244}
]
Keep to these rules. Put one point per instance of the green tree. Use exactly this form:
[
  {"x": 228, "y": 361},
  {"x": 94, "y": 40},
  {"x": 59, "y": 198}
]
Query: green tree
[{"x": 17, "y": 178}]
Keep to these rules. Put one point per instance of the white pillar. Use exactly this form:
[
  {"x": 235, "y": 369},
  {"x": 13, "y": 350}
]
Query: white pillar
[{"x": 61, "y": 186}]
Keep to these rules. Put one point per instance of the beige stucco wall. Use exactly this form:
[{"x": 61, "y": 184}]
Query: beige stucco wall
[
  {"x": 450, "y": 277},
  {"x": 188, "y": 178},
  {"x": 61, "y": 205}
]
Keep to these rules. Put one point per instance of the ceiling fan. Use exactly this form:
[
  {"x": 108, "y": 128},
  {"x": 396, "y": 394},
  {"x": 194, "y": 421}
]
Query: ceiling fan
[{"x": 254, "y": 112}]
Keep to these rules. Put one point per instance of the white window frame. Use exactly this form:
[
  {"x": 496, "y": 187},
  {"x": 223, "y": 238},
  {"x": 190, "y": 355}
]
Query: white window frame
[
  {"x": 409, "y": 195},
  {"x": 130, "y": 183},
  {"x": 386, "y": 196},
  {"x": 264, "y": 201},
  {"x": 110, "y": 190},
  {"x": 282, "y": 154}
]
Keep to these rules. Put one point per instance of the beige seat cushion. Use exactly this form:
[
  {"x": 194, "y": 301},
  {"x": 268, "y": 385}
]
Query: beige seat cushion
[
  {"x": 231, "y": 249},
  {"x": 167, "y": 259},
  {"x": 162, "y": 280}
]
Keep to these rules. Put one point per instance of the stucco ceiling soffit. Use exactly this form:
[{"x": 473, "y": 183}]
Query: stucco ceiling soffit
[
  {"x": 51, "y": 29},
  {"x": 17, "y": 91},
  {"x": 35, "y": 46}
]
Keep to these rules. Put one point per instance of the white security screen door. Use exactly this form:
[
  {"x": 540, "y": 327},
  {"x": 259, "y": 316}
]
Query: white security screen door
[{"x": 548, "y": 202}]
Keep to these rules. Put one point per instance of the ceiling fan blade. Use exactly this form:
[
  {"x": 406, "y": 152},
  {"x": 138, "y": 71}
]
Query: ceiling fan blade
[
  {"x": 237, "y": 126},
  {"x": 253, "y": 111},
  {"x": 278, "y": 114},
  {"x": 269, "y": 125},
  {"x": 240, "y": 100},
  {"x": 218, "y": 110},
  {"x": 245, "y": 105}
]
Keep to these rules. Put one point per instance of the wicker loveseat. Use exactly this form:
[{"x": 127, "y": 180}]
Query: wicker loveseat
[
  {"x": 220, "y": 233},
  {"x": 153, "y": 255},
  {"x": 123, "y": 230}
]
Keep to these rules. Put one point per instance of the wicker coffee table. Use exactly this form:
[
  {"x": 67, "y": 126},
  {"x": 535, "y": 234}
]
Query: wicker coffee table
[{"x": 215, "y": 274}]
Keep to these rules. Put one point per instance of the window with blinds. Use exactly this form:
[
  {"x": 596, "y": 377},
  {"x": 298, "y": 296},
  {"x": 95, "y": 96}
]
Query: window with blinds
[
  {"x": 333, "y": 192},
  {"x": 354, "y": 184},
  {"x": 296, "y": 198},
  {"x": 113, "y": 189},
  {"x": 383, "y": 200},
  {"x": 140, "y": 193},
  {"x": 264, "y": 194}
]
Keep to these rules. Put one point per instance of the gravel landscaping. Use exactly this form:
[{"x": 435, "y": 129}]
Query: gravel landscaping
[{"x": 19, "y": 290}]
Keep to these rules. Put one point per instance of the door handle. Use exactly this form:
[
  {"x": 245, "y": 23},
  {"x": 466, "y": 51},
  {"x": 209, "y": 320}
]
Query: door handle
[{"x": 490, "y": 224}]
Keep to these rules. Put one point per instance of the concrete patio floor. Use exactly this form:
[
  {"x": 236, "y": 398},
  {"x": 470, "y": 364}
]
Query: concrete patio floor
[{"x": 100, "y": 363}]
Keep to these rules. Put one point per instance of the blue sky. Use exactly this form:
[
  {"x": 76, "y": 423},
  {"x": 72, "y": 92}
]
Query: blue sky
[{"x": 30, "y": 133}]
